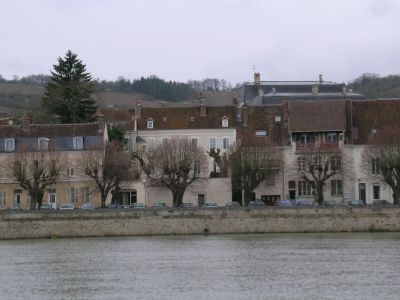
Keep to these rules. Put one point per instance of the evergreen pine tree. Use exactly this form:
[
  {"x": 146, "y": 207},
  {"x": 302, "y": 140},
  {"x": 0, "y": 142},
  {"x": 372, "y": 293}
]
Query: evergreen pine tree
[{"x": 68, "y": 93}]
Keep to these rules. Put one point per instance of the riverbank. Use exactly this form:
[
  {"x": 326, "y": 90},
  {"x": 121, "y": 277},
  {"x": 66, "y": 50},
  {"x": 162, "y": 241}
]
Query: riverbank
[{"x": 128, "y": 222}]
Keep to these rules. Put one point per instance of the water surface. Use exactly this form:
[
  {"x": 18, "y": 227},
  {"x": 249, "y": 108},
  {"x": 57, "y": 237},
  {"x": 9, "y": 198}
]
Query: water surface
[{"x": 268, "y": 266}]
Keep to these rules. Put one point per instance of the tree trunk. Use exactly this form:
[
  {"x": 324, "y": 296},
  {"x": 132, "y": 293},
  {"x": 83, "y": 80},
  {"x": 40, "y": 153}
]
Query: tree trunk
[
  {"x": 248, "y": 196},
  {"x": 320, "y": 194},
  {"x": 396, "y": 196},
  {"x": 103, "y": 201},
  {"x": 177, "y": 197}
]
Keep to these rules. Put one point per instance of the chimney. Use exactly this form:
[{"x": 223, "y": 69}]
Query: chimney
[
  {"x": 321, "y": 80},
  {"x": 257, "y": 79},
  {"x": 314, "y": 90},
  {"x": 285, "y": 123},
  {"x": 245, "y": 115},
  {"x": 138, "y": 110},
  {"x": 203, "y": 108}
]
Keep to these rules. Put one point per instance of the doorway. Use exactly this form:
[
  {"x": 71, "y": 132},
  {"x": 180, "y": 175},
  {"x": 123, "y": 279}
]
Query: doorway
[
  {"x": 17, "y": 199},
  {"x": 200, "y": 200},
  {"x": 52, "y": 198},
  {"x": 362, "y": 193}
]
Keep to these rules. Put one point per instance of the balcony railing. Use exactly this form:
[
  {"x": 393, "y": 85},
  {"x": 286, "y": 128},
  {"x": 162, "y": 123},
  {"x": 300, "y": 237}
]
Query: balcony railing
[{"x": 330, "y": 146}]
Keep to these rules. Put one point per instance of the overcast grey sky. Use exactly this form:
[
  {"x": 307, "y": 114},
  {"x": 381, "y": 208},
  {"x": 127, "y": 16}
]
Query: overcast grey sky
[{"x": 195, "y": 39}]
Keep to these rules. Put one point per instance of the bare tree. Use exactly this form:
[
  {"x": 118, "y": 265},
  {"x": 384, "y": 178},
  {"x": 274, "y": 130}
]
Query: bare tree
[
  {"x": 382, "y": 158},
  {"x": 178, "y": 164},
  {"x": 107, "y": 167},
  {"x": 35, "y": 169},
  {"x": 253, "y": 165},
  {"x": 317, "y": 165}
]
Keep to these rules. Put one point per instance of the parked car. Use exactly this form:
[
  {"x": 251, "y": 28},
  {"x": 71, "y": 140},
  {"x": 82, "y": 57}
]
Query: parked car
[
  {"x": 88, "y": 205},
  {"x": 233, "y": 204},
  {"x": 330, "y": 203},
  {"x": 114, "y": 205},
  {"x": 67, "y": 206},
  {"x": 283, "y": 202},
  {"x": 356, "y": 203},
  {"x": 256, "y": 203},
  {"x": 187, "y": 205},
  {"x": 380, "y": 202},
  {"x": 45, "y": 207},
  {"x": 159, "y": 205},
  {"x": 210, "y": 205},
  {"x": 138, "y": 206},
  {"x": 305, "y": 203}
]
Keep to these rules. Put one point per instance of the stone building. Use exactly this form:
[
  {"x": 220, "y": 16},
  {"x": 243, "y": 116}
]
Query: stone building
[{"x": 67, "y": 142}]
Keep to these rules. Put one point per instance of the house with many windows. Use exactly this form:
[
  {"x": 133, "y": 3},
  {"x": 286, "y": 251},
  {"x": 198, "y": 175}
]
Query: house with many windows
[
  {"x": 61, "y": 144},
  {"x": 205, "y": 126}
]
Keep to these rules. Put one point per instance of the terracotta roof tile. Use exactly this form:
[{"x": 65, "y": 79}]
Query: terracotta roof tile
[
  {"x": 186, "y": 117},
  {"x": 308, "y": 116},
  {"x": 262, "y": 118},
  {"x": 368, "y": 115}
]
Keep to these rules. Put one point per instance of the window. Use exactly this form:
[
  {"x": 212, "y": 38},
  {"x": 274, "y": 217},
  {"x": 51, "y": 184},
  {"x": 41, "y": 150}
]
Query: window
[
  {"x": 277, "y": 119},
  {"x": 150, "y": 124},
  {"x": 78, "y": 142},
  {"x": 3, "y": 198},
  {"x": 212, "y": 143},
  {"x": 270, "y": 180},
  {"x": 336, "y": 163},
  {"x": 151, "y": 143},
  {"x": 78, "y": 195},
  {"x": 195, "y": 143},
  {"x": 72, "y": 195},
  {"x": 336, "y": 188},
  {"x": 303, "y": 138},
  {"x": 375, "y": 166},
  {"x": 197, "y": 167},
  {"x": 331, "y": 137},
  {"x": 225, "y": 143},
  {"x": 70, "y": 172},
  {"x": 377, "y": 192},
  {"x": 301, "y": 161},
  {"x": 164, "y": 140},
  {"x": 292, "y": 185},
  {"x": 224, "y": 122},
  {"x": 84, "y": 194},
  {"x": 43, "y": 143},
  {"x": 305, "y": 188},
  {"x": 9, "y": 145}
]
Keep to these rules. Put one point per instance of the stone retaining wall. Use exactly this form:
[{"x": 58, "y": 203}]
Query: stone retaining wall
[{"x": 45, "y": 224}]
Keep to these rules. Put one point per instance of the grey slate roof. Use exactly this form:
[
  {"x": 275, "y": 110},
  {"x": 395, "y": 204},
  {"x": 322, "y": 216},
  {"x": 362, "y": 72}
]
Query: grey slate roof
[{"x": 60, "y": 135}]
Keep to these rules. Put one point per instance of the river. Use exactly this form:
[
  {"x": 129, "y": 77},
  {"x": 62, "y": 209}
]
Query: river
[{"x": 267, "y": 266}]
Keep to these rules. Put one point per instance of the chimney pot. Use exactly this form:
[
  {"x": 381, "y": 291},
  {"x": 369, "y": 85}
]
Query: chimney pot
[
  {"x": 257, "y": 78},
  {"x": 203, "y": 108}
]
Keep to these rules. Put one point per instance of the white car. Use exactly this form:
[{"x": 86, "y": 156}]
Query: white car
[{"x": 67, "y": 206}]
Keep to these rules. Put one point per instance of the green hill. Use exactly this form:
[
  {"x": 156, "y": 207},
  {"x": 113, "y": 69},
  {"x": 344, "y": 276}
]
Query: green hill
[{"x": 375, "y": 87}]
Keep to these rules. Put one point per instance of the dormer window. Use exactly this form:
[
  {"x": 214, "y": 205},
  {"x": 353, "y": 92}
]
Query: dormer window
[
  {"x": 9, "y": 145},
  {"x": 225, "y": 122},
  {"x": 43, "y": 143},
  {"x": 150, "y": 123},
  {"x": 78, "y": 142}
]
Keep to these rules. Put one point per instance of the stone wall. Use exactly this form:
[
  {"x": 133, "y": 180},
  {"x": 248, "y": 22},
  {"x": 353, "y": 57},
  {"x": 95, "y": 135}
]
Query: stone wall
[{"x": 44, "y": 224}]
